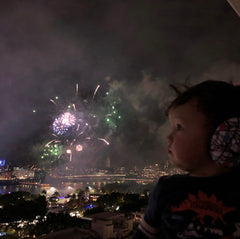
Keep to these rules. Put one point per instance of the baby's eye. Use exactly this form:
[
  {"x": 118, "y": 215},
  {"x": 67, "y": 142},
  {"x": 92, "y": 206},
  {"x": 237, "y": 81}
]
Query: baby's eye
[{"x": 179, "y": 127}]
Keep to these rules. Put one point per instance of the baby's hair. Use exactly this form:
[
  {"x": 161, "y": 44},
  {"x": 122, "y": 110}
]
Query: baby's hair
[{"x": 218, "y": 100}]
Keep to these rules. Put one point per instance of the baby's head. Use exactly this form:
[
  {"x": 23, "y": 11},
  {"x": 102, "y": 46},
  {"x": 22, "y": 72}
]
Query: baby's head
[
  {"x": 194, "y": 116},
  {"x": 218, "y": 100}
]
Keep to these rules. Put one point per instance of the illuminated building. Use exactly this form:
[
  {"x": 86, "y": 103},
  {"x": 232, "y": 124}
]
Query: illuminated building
[{"x": 111, "y": 225}]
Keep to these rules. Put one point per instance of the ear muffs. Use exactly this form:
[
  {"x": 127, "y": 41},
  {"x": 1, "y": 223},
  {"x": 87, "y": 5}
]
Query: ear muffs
[{"x": 225, "y": 143}]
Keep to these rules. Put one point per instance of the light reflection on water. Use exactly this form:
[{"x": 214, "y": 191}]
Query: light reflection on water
[
  {"x": 15, "y": 188},
  {"x": 63, "y": 188}
]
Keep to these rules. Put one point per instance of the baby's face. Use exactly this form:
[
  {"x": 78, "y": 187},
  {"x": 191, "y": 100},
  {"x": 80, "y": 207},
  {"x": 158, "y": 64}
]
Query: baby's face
[{"x": 189, "y": 138}]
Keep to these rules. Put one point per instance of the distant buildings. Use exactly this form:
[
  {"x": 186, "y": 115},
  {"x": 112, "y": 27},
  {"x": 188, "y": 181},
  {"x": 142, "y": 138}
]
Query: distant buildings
[
  {"x": 21, "y": 173},
  {"x": 85, "y": 177},
  {"x": 106, "y": 225},
  {"x": 112, "y": 225}
]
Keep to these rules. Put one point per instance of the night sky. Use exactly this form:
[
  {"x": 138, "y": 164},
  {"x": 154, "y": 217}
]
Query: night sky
[{"x": 134, "y": 49}]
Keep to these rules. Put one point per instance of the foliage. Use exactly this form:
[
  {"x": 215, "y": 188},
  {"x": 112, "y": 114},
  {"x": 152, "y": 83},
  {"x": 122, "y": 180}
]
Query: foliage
[
  {"x": 124, "y": 203},
  {"x": 21, "y": 206},
  {"x": 58, "y": 221},
  {"x": 133, "y": 203},
  {"x": 93, "y": 211},
  {"x": 75, "y": 204}
]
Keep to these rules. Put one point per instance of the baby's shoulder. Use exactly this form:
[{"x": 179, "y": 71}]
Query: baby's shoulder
[
  {"x": 173, "y": 178},
  {"x": 169, "y": 182}
]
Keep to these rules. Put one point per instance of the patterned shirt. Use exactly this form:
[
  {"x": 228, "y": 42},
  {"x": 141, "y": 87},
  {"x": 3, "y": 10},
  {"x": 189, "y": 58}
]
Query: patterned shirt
[{"x": 182, "y": 206}]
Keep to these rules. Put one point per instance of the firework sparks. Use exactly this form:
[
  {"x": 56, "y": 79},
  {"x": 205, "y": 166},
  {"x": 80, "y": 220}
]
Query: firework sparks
[
  {"x": 49, "y": 142},
  {"x": 95, "y": 92},
  {"x": 74, "y": 107},
  {"x": 79, "y": 147},
  {"x": 53, "y": 101},
  {"x": 62, "y": 123},
  {"x": 104, "y": 140},
  {"x": 77, "y": 89},
  {"x": 52, "y": 152},
  {"x": 79, "y": 124},
  {"x": 68, "y": 151}
]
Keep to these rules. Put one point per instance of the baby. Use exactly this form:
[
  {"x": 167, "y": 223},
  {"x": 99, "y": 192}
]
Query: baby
[{"x": 205, "y": 142}]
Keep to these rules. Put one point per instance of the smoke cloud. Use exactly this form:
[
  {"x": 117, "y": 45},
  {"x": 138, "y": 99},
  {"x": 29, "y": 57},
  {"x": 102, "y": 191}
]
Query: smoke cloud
[{"x": 134, "y": 49}]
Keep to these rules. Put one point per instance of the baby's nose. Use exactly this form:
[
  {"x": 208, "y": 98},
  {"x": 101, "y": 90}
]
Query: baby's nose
[{"x": 169, "y": 138}]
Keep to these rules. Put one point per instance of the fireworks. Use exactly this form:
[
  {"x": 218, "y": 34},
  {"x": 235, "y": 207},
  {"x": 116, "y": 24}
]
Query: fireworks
[
  {"x": 104, "y": 140},
  {"x": 51, "y": 152},
  {"x": 69, "y": 151},
  {"x": 62, "y": 123},
  {"x": 112, "y": 115},
  {"x": 95, "y": 92},
  {"x": 80, "y": 126},
  {"x": 75, "y": 127},
  {"x": 79, "y": 147}
]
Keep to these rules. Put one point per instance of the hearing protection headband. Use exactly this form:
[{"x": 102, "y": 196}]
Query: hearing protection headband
[{"x": 225, "y": 143}]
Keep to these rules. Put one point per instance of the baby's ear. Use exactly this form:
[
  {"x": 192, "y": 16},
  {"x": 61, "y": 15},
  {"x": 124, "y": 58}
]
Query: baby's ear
[{"x": 225, "y": 143}]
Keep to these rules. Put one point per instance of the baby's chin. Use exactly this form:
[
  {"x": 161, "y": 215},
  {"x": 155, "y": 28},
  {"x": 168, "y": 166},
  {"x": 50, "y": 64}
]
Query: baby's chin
[
  {"x": 176, "y": 163},
  {"x": 172, "y": 160}
]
